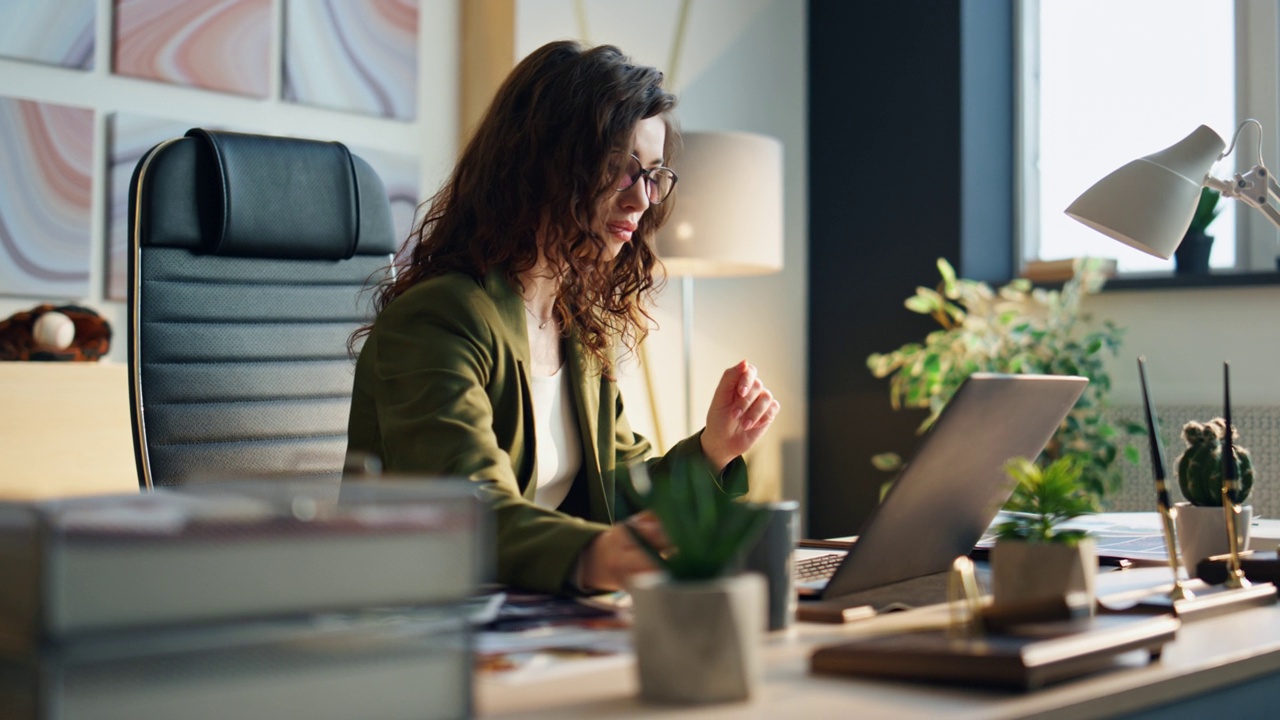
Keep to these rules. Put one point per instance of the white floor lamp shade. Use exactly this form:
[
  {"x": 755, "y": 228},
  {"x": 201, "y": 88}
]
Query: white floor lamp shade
[
  {"x": 726, "y": 221},
  {"x": 1149, "y": 202},
  {"x": 727, "y": 218}
]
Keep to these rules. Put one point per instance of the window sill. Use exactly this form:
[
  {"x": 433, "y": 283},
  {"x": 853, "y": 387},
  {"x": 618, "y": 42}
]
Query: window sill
[{"x": 1223, "y": 278}]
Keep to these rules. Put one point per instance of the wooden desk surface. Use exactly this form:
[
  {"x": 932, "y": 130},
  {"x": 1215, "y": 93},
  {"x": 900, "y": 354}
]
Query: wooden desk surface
[
  {"x": 64, "y": 430},
  {"x": 1207, "y": 655}
]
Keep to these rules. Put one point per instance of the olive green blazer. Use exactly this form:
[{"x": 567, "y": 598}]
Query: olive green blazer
[{"x": 442, "y": 388}]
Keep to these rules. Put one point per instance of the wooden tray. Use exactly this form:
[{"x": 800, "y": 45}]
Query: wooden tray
[{"x": 1036, "y": 655}]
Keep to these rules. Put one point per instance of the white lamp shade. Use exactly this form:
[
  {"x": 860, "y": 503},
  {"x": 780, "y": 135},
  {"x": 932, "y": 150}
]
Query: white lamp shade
[
  {"x": 1149, "y": 202},
  {"x": 727, "y": 218}
]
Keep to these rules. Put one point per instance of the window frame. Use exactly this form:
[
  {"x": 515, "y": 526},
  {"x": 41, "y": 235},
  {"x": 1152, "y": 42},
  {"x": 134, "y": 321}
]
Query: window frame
[{"x": 1257, "y": 27}]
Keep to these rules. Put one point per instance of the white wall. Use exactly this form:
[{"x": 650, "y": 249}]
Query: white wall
[
  {"x": 742, "y": 68},
  {"x": 1186, "y": 334},
  {"x": 432, "y": 136}
]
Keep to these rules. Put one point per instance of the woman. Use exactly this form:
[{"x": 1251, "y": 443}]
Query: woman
[{"x": 492, "y": 356}]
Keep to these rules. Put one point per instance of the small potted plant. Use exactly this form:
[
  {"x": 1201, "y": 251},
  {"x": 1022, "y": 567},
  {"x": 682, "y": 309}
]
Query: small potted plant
[
  {"x": 698, "y": 621},
  {"x": 1033, "y": 559},
  {"x": 1192, "y": 255},
  {"x": 1201, "y": 523}
]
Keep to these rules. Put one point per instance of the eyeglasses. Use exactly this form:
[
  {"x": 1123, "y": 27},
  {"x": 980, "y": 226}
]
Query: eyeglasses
[{"x": 659, "y": 181}]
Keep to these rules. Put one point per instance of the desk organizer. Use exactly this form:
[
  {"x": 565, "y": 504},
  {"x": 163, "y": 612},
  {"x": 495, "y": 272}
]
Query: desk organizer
[{"x": 1032, "y": 656}]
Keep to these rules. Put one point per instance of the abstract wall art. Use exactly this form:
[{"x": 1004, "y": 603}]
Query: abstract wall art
[
  {"x": 46, "y": 169},
  {"x": 54, "y": 33},
  {"x": 212, "y": 44},
  {"x": 357, "y": 55}
]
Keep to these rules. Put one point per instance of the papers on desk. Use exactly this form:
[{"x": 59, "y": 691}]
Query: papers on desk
[
  {"x": 536, "y": 637},
  {"x": 1132, "y": 536}
]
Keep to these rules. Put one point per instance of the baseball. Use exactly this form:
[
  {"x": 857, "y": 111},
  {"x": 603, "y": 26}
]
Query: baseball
[{"x": 54, "y": 330}]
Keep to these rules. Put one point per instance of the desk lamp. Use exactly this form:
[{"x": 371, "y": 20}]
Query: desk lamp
[
  {"x": 726, "y": 221},
  {"x": 1149, "y": 202}
]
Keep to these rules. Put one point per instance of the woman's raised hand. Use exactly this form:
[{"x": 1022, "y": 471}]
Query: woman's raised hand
[{"x": 742, "y": 409}]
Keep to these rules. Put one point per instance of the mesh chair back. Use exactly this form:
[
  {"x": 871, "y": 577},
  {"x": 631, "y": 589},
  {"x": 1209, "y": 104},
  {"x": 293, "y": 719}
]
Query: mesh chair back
[{"x": 248, "y": 259}]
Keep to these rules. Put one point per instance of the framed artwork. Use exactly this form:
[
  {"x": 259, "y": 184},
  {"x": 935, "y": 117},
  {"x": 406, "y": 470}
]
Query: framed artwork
[
  {"x": 46, "y": 168},
  {"x": 222, "y": 45},
  {"x": 55, "y": 33},
  {"x": 358, "y": 55}
]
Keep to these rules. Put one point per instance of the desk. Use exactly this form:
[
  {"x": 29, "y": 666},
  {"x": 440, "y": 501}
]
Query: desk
[
  {"x": 1207, "y": 656},
  {"x": 65, "y": 430}
]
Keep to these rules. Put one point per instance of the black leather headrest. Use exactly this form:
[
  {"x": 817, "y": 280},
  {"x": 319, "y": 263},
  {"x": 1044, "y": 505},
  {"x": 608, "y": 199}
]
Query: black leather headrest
[{"x": 232, "y": 194}]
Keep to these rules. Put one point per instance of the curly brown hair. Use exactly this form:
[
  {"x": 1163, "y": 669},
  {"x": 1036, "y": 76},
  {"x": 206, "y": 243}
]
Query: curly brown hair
[{"x": 537, "y": 166}]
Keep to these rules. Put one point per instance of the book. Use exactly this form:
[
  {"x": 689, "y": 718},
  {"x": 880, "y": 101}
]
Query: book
[
  {"x": 1034, "y": 655},
  {"x": 416, "y": 663},
  {"x": 233, "y": 551},
  {"x": 1055, "y": 271}
]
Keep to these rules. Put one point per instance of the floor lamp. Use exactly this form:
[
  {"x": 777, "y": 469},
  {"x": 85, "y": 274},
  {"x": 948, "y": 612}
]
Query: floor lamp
[{"x": 726, "y": 221}]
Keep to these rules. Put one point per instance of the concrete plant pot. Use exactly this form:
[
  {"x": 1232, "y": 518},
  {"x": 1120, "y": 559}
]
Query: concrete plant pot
[
  {"x": 698, "y": 642},
  {"x": 1202, "y": 532},
  {"x": 1026, "y": 572}
]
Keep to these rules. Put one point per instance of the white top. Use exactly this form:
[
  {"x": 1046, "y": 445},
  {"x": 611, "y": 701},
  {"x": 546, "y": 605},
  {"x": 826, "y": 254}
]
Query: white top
[{"x": 556, "y": 443}]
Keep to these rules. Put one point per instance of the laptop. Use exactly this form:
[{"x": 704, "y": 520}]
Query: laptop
[{"x": 952, "y": 487}]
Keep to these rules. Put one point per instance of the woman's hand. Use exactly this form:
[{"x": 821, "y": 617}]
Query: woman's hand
[
  {"x": 742, "y": 409},
  {"x": 613, "y": 556}
]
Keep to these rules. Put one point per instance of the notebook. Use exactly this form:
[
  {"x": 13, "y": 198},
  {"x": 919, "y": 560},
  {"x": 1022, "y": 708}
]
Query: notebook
[{"x": 953, "y": 485}]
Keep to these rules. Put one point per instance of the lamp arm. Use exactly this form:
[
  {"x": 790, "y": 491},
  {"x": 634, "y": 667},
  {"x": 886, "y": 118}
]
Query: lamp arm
[{"x": 1256, "y": 188}]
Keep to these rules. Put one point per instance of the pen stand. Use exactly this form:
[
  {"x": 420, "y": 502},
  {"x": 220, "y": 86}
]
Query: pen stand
[
  {"x": 1258, "y": 567},
  {"x": 1209, "y": 601}
]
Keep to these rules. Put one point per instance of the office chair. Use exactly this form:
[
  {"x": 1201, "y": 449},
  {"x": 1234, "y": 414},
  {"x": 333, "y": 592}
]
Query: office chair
[{"x": 248, "y": 257}]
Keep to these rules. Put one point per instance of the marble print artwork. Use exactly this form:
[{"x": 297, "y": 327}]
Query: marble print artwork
[
  {"x": 357, "y": 55},
  {"x": 212, "y": 44},
  {"x": 129, "y": 137},
  {"x": 46, "y": 172},
  {"x": 54, "y": 33}
]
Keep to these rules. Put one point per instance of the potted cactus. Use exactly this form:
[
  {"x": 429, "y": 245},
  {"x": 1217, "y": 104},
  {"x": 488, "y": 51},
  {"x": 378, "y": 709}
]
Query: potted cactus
[
  {"x": 699, "y": 621},
  {"x": 1201, "y": 524},
  {"x": 1033, "y": 558}
]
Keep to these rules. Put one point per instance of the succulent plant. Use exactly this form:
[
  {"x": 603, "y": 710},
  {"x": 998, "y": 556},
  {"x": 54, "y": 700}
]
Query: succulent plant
[
  {"x": 1045, "y": 498},
  {"x": 1200, "y": 465},
  {"x": 708, "y": 528}
]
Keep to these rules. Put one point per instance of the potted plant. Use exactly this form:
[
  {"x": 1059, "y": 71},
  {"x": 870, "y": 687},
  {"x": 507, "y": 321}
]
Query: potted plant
[
  {"x": 1016, "y": 329},
  {"x": 698, "y": 621},
  {"x": 1033, "y": 559},
  {"x": 1192, "y": 255},
  {"x": 1201, "y": 522}
]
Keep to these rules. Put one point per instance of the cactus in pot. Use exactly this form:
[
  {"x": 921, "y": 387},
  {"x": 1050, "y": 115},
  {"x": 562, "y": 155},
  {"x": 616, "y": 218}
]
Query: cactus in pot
[
  {"x": 1201, "y": 524},
  {"x": 1200, "y": 465}
]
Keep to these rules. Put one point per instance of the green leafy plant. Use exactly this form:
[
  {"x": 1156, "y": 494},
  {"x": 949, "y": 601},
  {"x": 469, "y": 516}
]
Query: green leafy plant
[
  {"x": 1206, "y": 210},
  {"x": 1017, "y": 328},
  {"x": 709, "y": 529},
  {"x": 1200, "y": 465},
  {"x": 1045, "y": 498}
]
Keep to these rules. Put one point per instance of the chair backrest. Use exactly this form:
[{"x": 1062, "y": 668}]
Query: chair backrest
[{"x": 248, "y": 259}]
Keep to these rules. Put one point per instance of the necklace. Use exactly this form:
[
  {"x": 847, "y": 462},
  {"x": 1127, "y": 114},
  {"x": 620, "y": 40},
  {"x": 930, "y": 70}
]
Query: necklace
[{"x": 542, "y": 323}]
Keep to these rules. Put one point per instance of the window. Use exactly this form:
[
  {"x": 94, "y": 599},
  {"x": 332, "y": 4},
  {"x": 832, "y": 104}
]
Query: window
[{"x": 1104, "y": 82}]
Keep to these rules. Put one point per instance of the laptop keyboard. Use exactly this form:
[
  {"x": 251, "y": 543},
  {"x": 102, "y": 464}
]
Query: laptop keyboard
[{"x": 818, "y": 567}]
